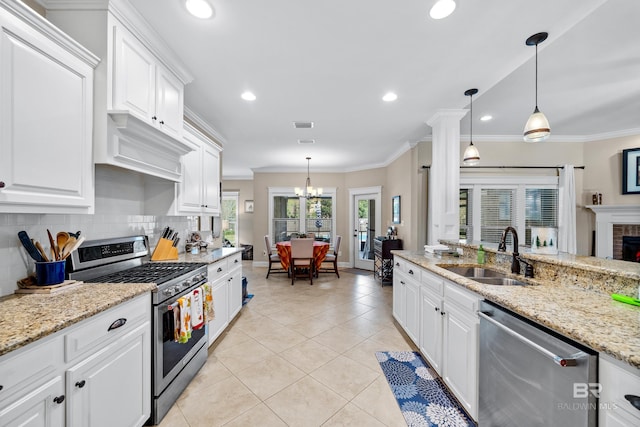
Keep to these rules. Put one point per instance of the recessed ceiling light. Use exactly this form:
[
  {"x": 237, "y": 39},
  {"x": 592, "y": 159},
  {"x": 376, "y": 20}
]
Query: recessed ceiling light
[
  {"x": 389, "y": 97},
  {"x": 486, "y": 118},
  {"x": 199, "y": 8},
  {"x": 248, "y": 96},
  {"x": 442, "y": 9}
]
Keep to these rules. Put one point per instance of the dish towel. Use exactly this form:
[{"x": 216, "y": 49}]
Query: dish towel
[
  {"x": 209, "y": 313},
  {"x": 176, "y": 322},
  {"x": 185, "y": 318},
  {"x": 197, "y": 319}
]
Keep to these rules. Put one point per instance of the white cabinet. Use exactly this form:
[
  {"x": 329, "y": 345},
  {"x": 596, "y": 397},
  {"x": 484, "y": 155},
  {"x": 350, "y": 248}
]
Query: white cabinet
[
  {"x": 407, "y": 277},
  {"x": 619, "y": 382},
  {"x": 144, "y": 87},
  {"x": 199, "y": 191},
  {"x": 431, "y": 319},
  {"x": 225, "y": 277},
  {"x": 94, "y": 373},
  {"x": 46, "y": 99}
]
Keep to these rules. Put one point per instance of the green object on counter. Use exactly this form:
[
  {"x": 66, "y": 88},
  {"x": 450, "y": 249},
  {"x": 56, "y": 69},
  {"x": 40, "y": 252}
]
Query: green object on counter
[
  {"x": 480, "y": 255},
  {"x": 625, "y": 299}
]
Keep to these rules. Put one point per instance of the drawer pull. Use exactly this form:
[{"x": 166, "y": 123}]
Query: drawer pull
[
  {"x": 634, "y": 400},
  {"x": 59, "y": 399},
  {"x": 81, "y": 384},
  {"x": 117, "y": 323}
]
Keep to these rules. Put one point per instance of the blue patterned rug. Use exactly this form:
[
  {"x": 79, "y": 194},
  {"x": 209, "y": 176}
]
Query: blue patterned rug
[
  {"x": 247, "y": 299},
  {"x": 422, "y": 396}
]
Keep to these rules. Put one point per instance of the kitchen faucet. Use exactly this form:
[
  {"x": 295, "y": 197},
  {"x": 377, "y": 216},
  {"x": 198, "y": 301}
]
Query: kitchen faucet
[{"x": 515, "y": 264}]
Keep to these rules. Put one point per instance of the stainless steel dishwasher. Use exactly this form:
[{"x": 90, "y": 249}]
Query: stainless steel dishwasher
[{"x": 531, "y": 376}]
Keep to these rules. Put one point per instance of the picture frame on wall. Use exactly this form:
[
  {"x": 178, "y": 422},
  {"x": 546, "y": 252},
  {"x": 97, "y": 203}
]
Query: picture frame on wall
[
  {"x": 248, "y": 206},
  {"x": 631, "y": 171},
  {"x": 395, "y": 209}
]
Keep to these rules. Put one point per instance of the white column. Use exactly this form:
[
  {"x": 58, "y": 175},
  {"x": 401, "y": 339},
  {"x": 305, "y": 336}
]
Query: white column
[{"x": 444, "y": 178}]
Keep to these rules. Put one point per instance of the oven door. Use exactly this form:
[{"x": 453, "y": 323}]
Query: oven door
[{"x": 170, "y": 356}]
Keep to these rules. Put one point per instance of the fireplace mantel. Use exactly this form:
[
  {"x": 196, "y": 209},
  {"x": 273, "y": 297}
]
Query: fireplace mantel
[{"x": 606, "y": 217}]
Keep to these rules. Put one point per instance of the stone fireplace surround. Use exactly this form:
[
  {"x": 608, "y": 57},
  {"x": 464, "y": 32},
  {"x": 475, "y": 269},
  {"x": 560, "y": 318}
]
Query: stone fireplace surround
[{"x": 612, "y": 223}]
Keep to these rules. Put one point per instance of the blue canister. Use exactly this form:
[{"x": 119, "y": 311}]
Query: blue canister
[{"x": 50, "y": 273}]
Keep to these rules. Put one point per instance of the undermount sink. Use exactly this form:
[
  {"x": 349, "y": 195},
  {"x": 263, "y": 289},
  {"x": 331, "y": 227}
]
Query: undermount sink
[{"x": 484, "y": 275}]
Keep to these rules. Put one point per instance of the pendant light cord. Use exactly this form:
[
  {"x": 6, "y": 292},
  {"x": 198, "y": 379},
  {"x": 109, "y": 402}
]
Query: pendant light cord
[
  {"x": 536, "y": 76},
  {"x": 471, "y": 120}
]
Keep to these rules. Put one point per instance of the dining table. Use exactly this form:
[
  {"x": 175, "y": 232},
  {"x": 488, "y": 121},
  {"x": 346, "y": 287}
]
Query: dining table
[{"x": 320, "y": 250}]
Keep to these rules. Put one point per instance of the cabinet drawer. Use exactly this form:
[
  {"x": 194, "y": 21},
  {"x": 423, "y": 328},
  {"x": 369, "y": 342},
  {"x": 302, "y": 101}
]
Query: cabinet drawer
[
  {"x": 617, "y": 382},
  {"x": 432, "y": 282},
  {"x": 24, "y": 367},
  {"x": 96, "y": 331},
  {"x": 234, "y": 261},
  {"x": 410, "y": 270},
  {"x": 456, "y": 295},
  {"x": 217, "y": 270}
]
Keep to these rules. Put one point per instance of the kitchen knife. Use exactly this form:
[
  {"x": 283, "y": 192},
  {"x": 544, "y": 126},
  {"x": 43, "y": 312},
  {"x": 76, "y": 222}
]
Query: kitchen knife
[
  {"x": 165, "y": 232},
  {"x": 174, "y": 236},
  {"x": 175, "y": 242},
  {"x": 29, "y": 246},
  {"x": 625, "y": 299}
]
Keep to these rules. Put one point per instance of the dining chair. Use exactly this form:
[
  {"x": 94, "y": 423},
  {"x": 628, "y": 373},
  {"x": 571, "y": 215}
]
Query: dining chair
[
  {"x": 311, "y": 235},
  {"x": 302, "y": 259},
  {"x": 332, "y": 258},
  {"x": 273, "y": 258}
]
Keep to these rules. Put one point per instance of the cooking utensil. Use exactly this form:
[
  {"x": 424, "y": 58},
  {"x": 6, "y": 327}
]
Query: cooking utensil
[
  {"x": 54, "y": 247},
  {"x": 42, "y": 251},
  {"x": 70, "y": 247},
  {"x": 29, "y": 246},
  {"x": 69, "y": 244},
  {"x": 61, "y": 238},
  {"x": 625, "y": 299}
]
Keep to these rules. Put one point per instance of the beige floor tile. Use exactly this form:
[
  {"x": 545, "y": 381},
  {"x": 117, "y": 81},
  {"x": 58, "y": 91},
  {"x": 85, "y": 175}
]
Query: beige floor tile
[
  {"x": 352, "y": 416},
  {"x": 311, "y": 326},
  {"x": 393, "y": 340},
  {"x": 309, "y": 355},
  {"x": 345, "y": 376},
  {"x": 280, "y": 339},
  {"x": 269, "y": 376},
  {"x": 338, "y": 339},
  {"x": 218, "y": 404},
  {"x": 230, "y": 338},
  {"x": 365, "y": 327},
  {"x": 306, "y": 403},
  {"x": 259, "y": 415},
  {"x": 243, "y": 355},
  {"x": 210, "y": 374},
  {"x": 174, "y": 418},
  {"x": 365, "y": 354},
  {"x": 378, "y": 401}
]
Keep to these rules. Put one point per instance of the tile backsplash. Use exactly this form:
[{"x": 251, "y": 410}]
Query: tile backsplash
[{"x": 16, "y": 264}]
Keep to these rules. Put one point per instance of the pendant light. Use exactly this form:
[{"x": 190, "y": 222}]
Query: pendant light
[
  {"x": 308, "y": 191},
  {"x": 471, "y": 154},
  {"x": 537, "y": 128}
]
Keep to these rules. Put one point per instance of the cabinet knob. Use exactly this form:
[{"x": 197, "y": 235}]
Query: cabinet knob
[
  {"x": 634, "y": 400},
  {"x": 219, "y": 269},
  {"x": 161, "y": 122},
  {"x": 1, "y": 387},
  {"x": 59, "y": 399},
  {"x": 437, "y": 309},
  {"x": 402, "y": 282},
  {"x": 81, "y": 384},
  {"x": 442, "y": 313},
  {"x": 397, "y": 264},
  {"x": 154, "y": 118},
  {"x": 2, "y": 184},
  {"x": 410, "y": 271}
]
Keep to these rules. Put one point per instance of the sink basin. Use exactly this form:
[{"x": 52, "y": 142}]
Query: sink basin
[
  {"x": 505, "y": 281},
  {"x": 474, "y": 272}
]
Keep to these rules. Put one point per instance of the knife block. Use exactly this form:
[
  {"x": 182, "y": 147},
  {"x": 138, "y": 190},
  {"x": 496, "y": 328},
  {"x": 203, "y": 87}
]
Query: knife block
[{"x": 164, "y": 251}]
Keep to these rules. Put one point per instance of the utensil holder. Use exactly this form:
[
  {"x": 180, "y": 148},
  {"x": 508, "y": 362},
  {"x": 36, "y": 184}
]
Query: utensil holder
[
  {"x": 164, "y": 251},
  {"x": 50, "y": 273}
]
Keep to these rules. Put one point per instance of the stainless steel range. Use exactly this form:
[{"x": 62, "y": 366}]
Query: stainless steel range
[{"x": 126, "y": 260}]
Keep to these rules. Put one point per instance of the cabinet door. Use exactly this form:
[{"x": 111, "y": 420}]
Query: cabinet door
[
  {"x": 169, "y": 102},
  {"x": 460, "y": 356},
  {"x": 46, "y": 100},
  {"x": 397, "y": 296},
  {"x": 412, "y": 309},
  {"x": 210, "y": 179},
  {"x": 43, "y": 407},
  {"x": 113, "y": 387},
  {"x": 431, "y": 329},
  {"x": 221, "y": 309},
  {"x": 134, "y": 77},
  {"x": 190, "y": 189},
  {"x": 235, "y": 292}
]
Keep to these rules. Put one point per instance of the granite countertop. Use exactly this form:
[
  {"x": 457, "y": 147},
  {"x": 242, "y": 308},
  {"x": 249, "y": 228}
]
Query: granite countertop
[
  {"x": 209, "y": 256},
  {"x": 578, "y": 310},
  {"x": 25, "y": 318}
]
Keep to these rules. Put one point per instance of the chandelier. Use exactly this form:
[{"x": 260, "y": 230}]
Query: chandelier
[{"x": 308, "y": 191}]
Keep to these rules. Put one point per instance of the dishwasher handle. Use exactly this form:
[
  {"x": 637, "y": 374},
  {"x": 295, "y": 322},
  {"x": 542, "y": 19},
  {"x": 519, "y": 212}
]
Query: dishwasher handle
[{"x": 561, "y": 361}]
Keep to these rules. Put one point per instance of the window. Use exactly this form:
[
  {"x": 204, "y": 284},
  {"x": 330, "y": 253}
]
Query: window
[
  {"x": 229, "y": 217},
  {"x": 488, "y": 205},
  {"x": 287, "y": 219}
]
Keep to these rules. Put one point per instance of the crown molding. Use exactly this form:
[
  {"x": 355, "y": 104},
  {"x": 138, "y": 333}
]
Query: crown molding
[{"x": 205, "y": 127}]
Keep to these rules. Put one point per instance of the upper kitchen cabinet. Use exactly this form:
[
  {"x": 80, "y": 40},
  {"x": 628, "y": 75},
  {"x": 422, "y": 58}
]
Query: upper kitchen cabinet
[
  {"x": 46, "y": 99},
  {"x": 139, "y": 86}
]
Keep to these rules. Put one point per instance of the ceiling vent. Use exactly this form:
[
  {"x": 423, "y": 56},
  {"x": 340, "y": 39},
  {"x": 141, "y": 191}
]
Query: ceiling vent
[
  {"x": 303, "y": 125},
  {"x": 306, "y": 141}
]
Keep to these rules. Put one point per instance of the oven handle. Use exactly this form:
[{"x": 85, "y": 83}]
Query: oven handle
[
  {"x": 559, "y": 360},
  {"x": 175, "y": 298}
]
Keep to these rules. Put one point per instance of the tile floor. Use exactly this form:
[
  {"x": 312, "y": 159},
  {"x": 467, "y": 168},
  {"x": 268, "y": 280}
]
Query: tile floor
[{"x": 299, "y": 356}]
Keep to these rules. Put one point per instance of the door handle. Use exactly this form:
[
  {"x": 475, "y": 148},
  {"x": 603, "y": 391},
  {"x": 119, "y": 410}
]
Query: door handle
[{"x": 634, "y": 400}]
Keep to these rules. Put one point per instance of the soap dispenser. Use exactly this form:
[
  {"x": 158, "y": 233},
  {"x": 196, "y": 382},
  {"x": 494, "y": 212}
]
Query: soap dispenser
[{"x": 480, "y": 255}]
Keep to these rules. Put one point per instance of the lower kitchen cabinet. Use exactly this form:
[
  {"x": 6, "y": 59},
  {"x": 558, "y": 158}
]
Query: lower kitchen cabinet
[
  {"x": 225, "y": 277},
  {"x": 431, "y": 319},
  {"x": 87, "y": 374},
  {"x": 235, "y": 286},
  {"x": 620, "y": 383},
  {"x": 409, "y": 303}
]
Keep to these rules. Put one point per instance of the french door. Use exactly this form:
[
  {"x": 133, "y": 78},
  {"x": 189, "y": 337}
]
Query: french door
[{"x": 366, "y": 224}]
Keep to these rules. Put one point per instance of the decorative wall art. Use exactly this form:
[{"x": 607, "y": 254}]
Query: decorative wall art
[
  {"x": 395, "y": 209},
  {"x": 248, "y": 206},
  {"x": 631, "y": 171}
]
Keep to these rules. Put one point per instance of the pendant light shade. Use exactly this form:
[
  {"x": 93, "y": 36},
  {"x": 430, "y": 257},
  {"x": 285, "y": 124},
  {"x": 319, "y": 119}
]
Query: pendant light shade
[
  {"x": 537, "y": 128},
  {"x": 471, "y": 154}
]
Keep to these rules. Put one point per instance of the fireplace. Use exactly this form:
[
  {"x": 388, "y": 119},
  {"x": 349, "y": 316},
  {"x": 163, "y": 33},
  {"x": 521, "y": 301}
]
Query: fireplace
[
  {"x": 631, "y": 248},
  {"x": 613, "y": 222}
]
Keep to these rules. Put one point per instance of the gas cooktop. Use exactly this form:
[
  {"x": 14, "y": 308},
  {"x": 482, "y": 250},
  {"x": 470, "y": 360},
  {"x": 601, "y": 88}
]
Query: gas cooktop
[{"x": 157, "y": 273}]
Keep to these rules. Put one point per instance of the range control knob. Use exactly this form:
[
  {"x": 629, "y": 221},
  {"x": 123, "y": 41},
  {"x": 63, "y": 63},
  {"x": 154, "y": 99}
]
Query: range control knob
[
  {"x": 167, "y": 292},
  {"x": 186, "y": 284}
]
